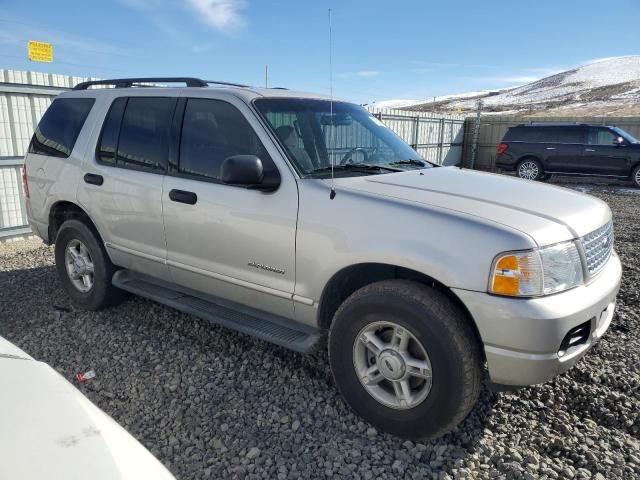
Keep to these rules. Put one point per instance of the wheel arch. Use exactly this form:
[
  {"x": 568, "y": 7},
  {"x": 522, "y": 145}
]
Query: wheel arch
[
  {"x": 353, "y": 277},
  {"x": 529, "y": 156},
  {"x": 65, "y": 210}
]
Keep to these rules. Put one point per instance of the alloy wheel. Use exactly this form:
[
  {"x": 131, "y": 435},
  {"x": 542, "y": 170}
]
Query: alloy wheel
[
  {"x": 392, "y": 365},
  {"x": 528, "y": 170},
  {"x": 79, "y": 265}
]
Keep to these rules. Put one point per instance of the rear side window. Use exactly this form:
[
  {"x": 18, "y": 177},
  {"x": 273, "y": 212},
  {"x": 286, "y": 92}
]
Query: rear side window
[
  {"x": 562, "y": 135},
  {"x": 144, "y": 134},
  {"x": 136, "y": 133},
  {"x": 213, "y": 130},
  {"x": 522, "y": 134},
  {"x": 60, "y": 126}
]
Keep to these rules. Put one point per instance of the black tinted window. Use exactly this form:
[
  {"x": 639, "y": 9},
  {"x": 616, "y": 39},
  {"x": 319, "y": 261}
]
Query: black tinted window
[
  {"x": 213, "y": 130},
  {"x": 562, "y": 135},
  {"x": 522, "y": 134},
  {"x": 144, "y": 134},
  {"x": 110, "y": 132},
  {"x": 601, "y": 136},
  {"x": 60, "y": 126}
]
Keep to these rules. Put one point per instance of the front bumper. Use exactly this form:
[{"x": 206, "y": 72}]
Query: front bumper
[{"x": 522, "y": 337}]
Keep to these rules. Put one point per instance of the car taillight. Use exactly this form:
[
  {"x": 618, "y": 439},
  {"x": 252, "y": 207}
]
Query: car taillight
[
  {"x": 501, "y": 148},
  {"x": 25, "y": 181}
]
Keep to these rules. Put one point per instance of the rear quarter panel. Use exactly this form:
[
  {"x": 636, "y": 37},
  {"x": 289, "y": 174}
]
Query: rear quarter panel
[{"x": 54, "y": 179}]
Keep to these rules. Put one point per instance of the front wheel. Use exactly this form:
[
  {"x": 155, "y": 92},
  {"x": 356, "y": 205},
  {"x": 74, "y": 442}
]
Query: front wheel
[
  {"x": 530, "y": 169},
  {"x": 405, "y": 358}
]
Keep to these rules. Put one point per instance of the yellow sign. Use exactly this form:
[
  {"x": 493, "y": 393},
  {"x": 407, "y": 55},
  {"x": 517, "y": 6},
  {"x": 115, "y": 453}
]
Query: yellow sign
[{"x": 40, "y": 51}]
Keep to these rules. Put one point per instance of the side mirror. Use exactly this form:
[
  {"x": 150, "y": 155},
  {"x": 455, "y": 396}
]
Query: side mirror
[
  {"x": 245, "y": 170},
  {"x": 618, "y": 141}
]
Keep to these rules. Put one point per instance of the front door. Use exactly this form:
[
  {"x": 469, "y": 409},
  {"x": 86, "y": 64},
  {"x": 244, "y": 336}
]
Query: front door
[
  {"x": 227, "y": 241},
  {"x": 604, "y": 157}
]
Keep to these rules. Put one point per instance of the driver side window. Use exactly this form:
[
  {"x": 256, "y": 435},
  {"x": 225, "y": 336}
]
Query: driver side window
[
  {"x": 601, "y": 136},
  {"x": 213, "y": 130}
]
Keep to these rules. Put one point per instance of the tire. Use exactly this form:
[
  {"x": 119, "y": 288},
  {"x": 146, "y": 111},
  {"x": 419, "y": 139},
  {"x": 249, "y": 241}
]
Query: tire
[
  {"x": 433, "y": 322},
  {"x": 530, "y": 169},
  {"x": 77, "y": 236},
  {"x": 635, "y": 176}
]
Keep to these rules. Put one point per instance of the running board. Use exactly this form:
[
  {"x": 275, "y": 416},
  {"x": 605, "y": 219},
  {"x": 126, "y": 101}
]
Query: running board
[{"x": 272, "y": 328}]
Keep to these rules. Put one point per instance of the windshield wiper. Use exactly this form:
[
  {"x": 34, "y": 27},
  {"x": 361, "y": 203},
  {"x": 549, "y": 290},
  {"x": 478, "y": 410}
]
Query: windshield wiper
[
  {"x": 365, "y": 167},
  {"x": 410, "y": 161}
]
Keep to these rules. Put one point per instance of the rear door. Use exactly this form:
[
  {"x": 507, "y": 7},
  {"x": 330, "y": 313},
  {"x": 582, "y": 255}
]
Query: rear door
[
  {"x": 562, "y": 147},
  {"x": 602, "y": 156},
  {"x": 122, "y": 185},
  {"x": 231, "y": 242}
]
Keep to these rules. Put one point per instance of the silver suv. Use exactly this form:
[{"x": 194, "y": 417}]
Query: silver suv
[{"x": 301, "y": 220}]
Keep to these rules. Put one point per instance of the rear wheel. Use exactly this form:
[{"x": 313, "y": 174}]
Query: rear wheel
[
  {"x": 84, "y": 268},
  {"x": 530, "y": 169},
  {"x": 635, "y": 176},
  {"x": 405, "y": 358}
]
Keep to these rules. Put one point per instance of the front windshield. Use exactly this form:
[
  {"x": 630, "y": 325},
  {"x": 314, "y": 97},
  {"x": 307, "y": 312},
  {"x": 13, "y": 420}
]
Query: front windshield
[
  {"x": 315, "y": 133},
  {"x": 626, "y": 135}
]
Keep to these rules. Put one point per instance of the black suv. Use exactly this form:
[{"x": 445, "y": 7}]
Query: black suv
[{"x": 535, "y": 152}]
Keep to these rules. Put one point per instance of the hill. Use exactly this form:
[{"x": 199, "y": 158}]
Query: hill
[{"x": 609, "y": 86}]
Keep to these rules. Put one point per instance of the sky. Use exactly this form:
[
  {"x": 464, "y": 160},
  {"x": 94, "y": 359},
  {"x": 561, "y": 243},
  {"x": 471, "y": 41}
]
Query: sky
[{"x": 382, "y": 50}]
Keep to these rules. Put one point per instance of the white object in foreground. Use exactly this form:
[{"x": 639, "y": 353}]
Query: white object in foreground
[{"x": 51, "y": 431}]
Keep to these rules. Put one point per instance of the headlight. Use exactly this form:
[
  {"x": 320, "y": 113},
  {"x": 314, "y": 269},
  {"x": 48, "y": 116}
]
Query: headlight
[{"x": 537, "y": 272}]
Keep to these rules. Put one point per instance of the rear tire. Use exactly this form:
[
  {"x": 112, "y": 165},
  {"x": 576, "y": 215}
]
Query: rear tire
[
  {"x": 84, "y": 267},
  {"x": 442, "y": 371},
  {"x": 530, "y": 169},
  {"x": 635, "y": 177}
]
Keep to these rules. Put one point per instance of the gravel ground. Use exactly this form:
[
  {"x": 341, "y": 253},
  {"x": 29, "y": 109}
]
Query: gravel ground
[{"x": 211, "y": 403}]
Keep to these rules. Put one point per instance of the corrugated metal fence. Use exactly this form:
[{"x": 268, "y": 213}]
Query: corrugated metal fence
[
  {"x": 437, "y": 137},
  {"x": 24, "y": 97},
  {"x": 493, "y": 128}
]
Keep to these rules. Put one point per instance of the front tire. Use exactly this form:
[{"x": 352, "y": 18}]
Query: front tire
[
  {"x": 84, "y": 268},
  {"x": 405, "y": 358},
  {"x": 530, "y": 169}
]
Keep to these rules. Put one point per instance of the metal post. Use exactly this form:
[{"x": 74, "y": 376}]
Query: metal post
[
  {"x": 416, "y": 129},
  {"x": 476, "y": 134},
  {"x": 441, "y": 141},
  {"x": 266, "y": 75}
]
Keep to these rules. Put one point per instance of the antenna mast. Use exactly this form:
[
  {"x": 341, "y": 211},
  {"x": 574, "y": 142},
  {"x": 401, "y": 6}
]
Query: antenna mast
[
  {"x": 331, "y": 143},
  {"x": 266, "y": 75}
]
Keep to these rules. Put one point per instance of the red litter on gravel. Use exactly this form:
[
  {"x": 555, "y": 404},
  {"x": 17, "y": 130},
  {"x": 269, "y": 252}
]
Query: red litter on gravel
[{"x": 86, "y": 376}]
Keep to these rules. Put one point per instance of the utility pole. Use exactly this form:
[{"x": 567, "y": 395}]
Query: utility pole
[{"x": 266, "y": 75}]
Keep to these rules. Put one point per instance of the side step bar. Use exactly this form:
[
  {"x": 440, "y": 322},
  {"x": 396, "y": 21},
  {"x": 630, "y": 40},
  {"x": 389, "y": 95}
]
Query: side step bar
[{"x": 272, "y": 328}]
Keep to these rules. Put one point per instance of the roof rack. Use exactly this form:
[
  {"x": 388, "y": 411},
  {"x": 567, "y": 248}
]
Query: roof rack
[
  {"x": 551, "y": 124},
  {"x": 131, "y": 82}
]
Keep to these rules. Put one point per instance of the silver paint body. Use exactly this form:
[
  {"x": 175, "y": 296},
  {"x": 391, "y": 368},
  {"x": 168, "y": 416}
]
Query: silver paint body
[{"x": 446, "y": 223}]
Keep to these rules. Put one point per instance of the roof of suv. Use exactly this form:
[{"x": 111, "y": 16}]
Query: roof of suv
[
  {"x": 246, "y": 93},
  {"x": 563, "y": 125}
]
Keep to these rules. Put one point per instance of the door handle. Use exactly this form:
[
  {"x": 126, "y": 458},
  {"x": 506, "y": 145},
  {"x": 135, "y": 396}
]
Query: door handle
[
  {"x": 551, "y": 148},
  {"x": 183, "y": 196},
  {"x": 93, "y": 179},
  {"x": 589, "y": 150}
]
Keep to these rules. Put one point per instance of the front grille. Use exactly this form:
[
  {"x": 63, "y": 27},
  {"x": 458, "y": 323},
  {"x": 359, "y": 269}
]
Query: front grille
[{"x": 598, "y": 246}]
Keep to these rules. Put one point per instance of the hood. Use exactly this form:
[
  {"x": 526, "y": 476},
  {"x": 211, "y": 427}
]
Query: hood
[
  {"x": 51, "y": 430},
  {"x": 548, "y": 214}
]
